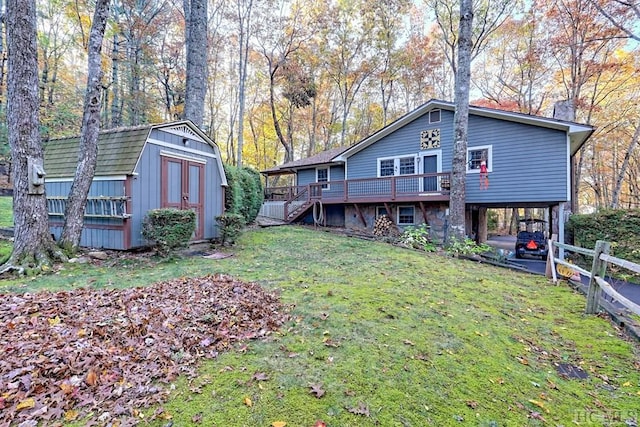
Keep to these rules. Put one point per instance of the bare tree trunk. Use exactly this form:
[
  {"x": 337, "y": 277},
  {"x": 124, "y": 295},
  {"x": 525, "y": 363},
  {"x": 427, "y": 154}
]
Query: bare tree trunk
[
  {"x": 195, "y": 12},
  {"x": 33, "y": 246},
  {"x": 615, "y": 199},
  {"x": 116, "y": 112},
  {"x": 244, "y": 21},
  {"x": 88, "y": 153},
  {"x": 461, "y": 123},
  {"x": 287, "y": 144}
]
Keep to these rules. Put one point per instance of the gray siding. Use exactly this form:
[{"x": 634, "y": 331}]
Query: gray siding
[
  {"x": 146, "y": 189},
  {"x": 530, "y": 163},
  {"x": 336, "y": 173},
  {"x": 97, "y": 232},
  {"x": 145, "y": 193}
]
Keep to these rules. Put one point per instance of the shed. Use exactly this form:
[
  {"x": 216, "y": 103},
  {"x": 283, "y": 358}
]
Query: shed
[{"x": 171, "y": 165}]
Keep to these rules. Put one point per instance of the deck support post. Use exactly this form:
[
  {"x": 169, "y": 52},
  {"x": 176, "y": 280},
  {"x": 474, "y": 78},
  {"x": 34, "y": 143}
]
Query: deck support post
[
  {"x": 388, "y": 208},
  {"x": 360, "y": 215},
  {"x": 482, "y": 225},
  {"x": 424, "y": 213}
]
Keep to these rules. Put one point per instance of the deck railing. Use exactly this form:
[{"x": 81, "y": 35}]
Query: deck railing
[{"x": 391, "y": 188}]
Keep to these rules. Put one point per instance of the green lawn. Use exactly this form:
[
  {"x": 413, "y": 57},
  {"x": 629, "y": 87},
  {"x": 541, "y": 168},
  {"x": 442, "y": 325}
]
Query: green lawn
[
  {"x": 6, "y": 211},
  {"x": 385, "y": 336}
]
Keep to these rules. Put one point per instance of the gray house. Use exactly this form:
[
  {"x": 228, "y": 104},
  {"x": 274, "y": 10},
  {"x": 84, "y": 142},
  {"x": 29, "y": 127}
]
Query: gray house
[
  {"x": 403, "y": 171},
  {"x": 173, "y": 165}
]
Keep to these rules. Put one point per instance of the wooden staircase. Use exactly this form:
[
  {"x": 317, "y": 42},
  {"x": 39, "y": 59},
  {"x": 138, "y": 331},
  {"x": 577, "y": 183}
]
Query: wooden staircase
[{"x": 297, "y": 205}]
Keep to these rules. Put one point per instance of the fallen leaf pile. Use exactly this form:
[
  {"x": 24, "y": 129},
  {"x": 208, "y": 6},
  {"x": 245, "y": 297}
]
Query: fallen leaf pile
[{"x": 105, "y": 354}]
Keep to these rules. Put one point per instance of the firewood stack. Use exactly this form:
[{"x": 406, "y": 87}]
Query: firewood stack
[{"x": 385, "y": 227}]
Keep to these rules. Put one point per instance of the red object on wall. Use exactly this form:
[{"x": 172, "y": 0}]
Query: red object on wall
[{"x": 484, "y": 176}]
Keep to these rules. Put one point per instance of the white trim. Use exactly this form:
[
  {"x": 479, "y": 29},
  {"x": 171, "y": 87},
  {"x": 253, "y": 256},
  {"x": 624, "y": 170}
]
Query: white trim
[
  {"x": 439, "y": 114},
  {"x": 489, "y": 149},
  {"x": 176, "y": 147},
  {"x": 95, "y": 178},
  {"x": 398, "y": 214},
  {"x": 420, "y": 170},
  {"x": 324, "y": 186},
  {"x": 184, "y": 131},
  {"x": 577, "y": 132},
  {"x": 396, "y": 164},
  {"x": 180, "y": 156}
]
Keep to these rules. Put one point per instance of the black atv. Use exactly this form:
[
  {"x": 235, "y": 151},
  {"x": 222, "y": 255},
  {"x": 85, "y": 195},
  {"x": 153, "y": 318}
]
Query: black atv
[{"x": 532, "y": 238}]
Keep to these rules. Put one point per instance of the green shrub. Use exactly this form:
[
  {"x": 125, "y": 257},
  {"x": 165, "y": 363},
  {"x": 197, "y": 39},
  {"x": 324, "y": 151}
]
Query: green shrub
[
  {"x": 255, "y": 193},
  {"x": 244, "y": 194},
  {"x": 417, "y": 238},
  {"x": 466, "y": 247},
  {"x": 230, "y": 227},
  {"x": 169, "y": 229},
  {"x": 619, "y": 227}
]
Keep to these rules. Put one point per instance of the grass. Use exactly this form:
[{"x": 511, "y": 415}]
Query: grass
[
  {"x": 6, "y": 211},
  {"x": 394, "y": 338}
]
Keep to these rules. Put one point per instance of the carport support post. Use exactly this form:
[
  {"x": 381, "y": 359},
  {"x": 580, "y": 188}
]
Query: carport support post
[
  {"x": 482, "y": 225},
  {"x": 598, "y": 268}
]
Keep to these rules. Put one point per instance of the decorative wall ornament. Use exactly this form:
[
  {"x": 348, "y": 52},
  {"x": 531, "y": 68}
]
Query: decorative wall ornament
[{"x": 430, "y": 139}]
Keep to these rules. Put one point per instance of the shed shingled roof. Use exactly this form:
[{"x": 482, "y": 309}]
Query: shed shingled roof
[{"x": 118, "y": 152}]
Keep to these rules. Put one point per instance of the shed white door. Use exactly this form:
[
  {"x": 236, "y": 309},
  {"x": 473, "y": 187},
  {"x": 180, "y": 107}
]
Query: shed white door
[{"x": 183, "y": 188}]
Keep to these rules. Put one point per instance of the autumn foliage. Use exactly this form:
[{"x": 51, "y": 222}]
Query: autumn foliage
[{"x": 106, "y": 354}]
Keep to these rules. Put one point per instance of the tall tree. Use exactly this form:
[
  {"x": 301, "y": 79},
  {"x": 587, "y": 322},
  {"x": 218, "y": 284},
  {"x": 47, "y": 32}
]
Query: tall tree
[
  {"x": 88, "y": 153},
  {"x": 584, "y": 47},
  {"x": 4, "y": 146},
  {"x": 489, "y": 15},
  {"x": 350, "y": 59},
  {"x": 244, "y": 15},
  {"x": 516, "y": 72},
  {"x": 33, "y": 246},
  {"x": 285, "y": 71},
  {"x": 457, "y": 206},
  {"x": 621, "y": 10},
  {"x": 195, "y": 13}
]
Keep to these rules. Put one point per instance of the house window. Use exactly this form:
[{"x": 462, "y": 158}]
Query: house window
[
  {"x": 407, "y": 166},
  {"x": 476, "y": 155},
  {"x": 434, "y": 116},
  {"x": 381, "y": 211},
  {"x": 322, "y": 175},
  {"x": 386, "y": 167},
  {"x": 391, "y": 166},
  {"x": 406, "y": 215}
]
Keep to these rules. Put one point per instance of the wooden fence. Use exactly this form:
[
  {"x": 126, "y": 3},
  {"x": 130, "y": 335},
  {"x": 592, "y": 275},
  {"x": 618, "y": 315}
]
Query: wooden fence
[{"x": 597, "y": 282}]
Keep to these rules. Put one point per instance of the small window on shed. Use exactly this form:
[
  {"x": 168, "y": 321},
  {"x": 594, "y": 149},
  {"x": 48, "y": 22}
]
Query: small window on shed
[{"x": 434, "y": 116}]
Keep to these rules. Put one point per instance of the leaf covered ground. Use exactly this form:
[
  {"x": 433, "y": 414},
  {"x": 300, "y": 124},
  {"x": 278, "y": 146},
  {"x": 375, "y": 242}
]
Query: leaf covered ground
[
  {"x": 383, "y": 336},
  {"x": 101, "y": 355}
]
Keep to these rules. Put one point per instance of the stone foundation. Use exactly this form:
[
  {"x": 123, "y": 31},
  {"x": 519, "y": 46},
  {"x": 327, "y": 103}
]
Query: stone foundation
[{"x": 436, "y": 217}]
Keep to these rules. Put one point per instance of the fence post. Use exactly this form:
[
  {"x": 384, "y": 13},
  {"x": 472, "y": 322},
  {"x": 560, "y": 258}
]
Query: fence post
[{"x": 598, "y": 268}]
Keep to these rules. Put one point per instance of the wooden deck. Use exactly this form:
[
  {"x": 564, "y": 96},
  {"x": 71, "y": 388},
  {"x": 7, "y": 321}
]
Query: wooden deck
[{"x": 395, "y": 189}]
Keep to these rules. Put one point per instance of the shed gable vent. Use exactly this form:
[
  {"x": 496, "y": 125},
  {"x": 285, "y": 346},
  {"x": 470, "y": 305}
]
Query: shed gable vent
[{"x": 183, "y": 131}]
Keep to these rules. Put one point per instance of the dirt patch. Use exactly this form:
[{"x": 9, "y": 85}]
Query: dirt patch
[{"x": 105, "y": 354}]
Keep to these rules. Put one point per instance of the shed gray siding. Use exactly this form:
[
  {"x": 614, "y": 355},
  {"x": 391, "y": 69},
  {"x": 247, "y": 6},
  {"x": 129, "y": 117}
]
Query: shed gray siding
[
  {"x": 529, "y": 162},
  {"x": 139, "y": 173},
  {"x": 97, "y": 232},
  {"x": 146, "y": 186}
]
